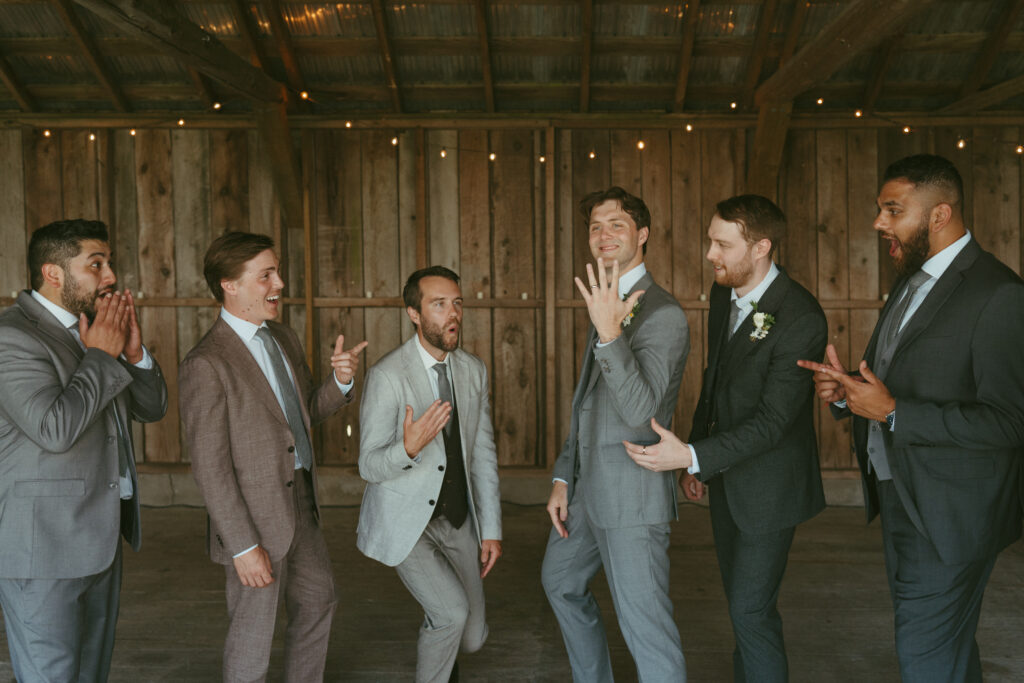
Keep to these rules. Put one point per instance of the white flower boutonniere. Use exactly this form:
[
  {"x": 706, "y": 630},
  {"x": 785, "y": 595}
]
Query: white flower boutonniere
[
  {"x": 762, "y": 323},
  {"x": 636, "y": 307}
]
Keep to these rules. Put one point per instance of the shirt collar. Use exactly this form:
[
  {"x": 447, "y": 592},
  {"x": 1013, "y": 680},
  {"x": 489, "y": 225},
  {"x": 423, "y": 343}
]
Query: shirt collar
[
  {"x": 757, "y": 292},
  {"x": 628, "y": 279},
  {"x": 938, "y": 264},
  {"x": 429, "y": 361},
  {"x": 63, "y": 315},
  {"x": 243, "y": 328}
]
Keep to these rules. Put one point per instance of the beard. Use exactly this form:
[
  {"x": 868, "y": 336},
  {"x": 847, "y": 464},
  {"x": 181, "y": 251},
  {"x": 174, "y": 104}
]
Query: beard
[
  {"x": 435, "y": 336},
  {"x": 73, "y": 299},
  {"x": 914, "y": 252},
  {"x": 738, "y": 275}
]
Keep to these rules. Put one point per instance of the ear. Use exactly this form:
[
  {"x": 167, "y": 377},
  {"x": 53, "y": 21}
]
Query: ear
[
  {"x": 941, "y": 215},
  {"x": 53, "y": 275},
  {"x": 642, "y": 234},
  {"x": 414, "y": 315},
  {"x": 229, "y": 287},
  {"x": 762, "y": 248}
]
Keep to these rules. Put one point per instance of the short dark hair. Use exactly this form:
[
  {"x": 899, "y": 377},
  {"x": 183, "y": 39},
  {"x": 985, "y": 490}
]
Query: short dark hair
[
  {"x": 929, "y": 170},
  {"x": 412, "y": 294},
  {"x": 227, "y": 256},
  {"x": 59, "y": 242},
  {"x": 630, "y": 203},
  {"x": 758, "y": 217}
]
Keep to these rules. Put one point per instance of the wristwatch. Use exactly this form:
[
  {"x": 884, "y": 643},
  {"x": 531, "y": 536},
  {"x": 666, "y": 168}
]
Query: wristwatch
[{"x": 890, "y": 419}]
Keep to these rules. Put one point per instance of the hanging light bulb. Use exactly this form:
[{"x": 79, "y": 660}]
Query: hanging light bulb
[{"x": 640, "y": 144}]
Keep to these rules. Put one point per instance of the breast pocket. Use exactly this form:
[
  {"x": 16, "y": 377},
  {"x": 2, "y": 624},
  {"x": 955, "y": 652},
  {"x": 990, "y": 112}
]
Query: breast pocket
[{"x": 49, "y": 488}]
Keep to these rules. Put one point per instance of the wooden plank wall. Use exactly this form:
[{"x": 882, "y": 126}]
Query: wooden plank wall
[{"x": 383, "y": 203}]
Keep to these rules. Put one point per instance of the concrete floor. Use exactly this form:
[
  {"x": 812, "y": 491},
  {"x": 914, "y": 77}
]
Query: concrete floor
[{"x": 834, "y": 601}]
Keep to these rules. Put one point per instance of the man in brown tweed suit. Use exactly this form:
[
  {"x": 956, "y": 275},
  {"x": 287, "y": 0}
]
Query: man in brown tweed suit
[{"x": 247, "y": 400}]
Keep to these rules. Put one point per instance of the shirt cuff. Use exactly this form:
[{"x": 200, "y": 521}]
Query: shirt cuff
[
  {"x": 245, "y": 551},
  {"x": 345, "y": 388},
  {"x": 147, "y": 360},
  {"x": 554, "y": 479},
  {"x": 695, "y": 467},
  {"x": 840, "y": 404}
]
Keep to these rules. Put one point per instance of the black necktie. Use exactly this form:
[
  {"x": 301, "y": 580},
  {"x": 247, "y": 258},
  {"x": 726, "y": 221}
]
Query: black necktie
[{"x": 292, "y": 407}]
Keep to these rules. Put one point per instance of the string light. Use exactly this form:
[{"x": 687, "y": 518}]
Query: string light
[
  {"x": 216, "y": 106},
  {"x": 181, "y": 122},
  {"x": 46, "y": 133},
  {"x": 689, "y": 128},
  {"x": 858, "y": 113},
  {"x": 444, "y": 152},
  {"x": 732, "y": 105},
  {"x": 394, "y": 142},
  {"x": 1020, "y": 149},
  {"x": 640, "y": 144},
  {"x": 132, "y": 132},
  {"x": 92, "y": 137},
  {"x": 820, "y": 101},
  {"x": 593, "y": 154},
  {"x": 304, "y": 95},
  {"x": 906, "y": 130},
  {"x": 348, "y": 124},
  {"x": 492, "y": 156},
  {"x": 542, "y": 158},
  {"x": 961, "y": 143}
]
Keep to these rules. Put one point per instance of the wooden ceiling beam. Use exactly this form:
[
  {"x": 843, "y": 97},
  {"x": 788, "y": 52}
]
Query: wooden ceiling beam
[
  {"x": 861, "y": 25},
  {"x": 986, "y": 98},
  {"x": 202, "y": 87},
  {"x": 796, "y": 27},
  {"x": 586, "y": 53},
  {"x": 90, "y": 54},
  {"x": 246, "y": 29},
  {"x": 995, "y": 44},
  {"x": 758, "y": 51},
  {"x": 879, "y": 67},
  {"x": 283, "y": 41},
  {"x": 272, "y": 126},
  {"x": 769, "y": 142},
  {"x": 10, "y": 80},
  {"x": 485, "y": 53},
  {"x": 686, "y": 54},
  {"x": 387, "y": 56}
]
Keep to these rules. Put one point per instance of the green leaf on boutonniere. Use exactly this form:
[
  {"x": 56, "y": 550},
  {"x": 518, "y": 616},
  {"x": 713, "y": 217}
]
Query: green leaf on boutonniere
[
  {"x": 636, "y": 307},
  {"x": 762, "y": 323}
]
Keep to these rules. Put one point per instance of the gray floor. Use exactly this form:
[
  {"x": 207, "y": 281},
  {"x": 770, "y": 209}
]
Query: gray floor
[{"x": 834, "y": 602}]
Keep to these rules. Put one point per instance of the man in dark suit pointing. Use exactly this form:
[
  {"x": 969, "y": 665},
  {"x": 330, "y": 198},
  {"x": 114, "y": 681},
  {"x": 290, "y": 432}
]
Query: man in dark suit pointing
[
  {"x": 752, "y": 443},
  {"x": 938, "y": 419}
]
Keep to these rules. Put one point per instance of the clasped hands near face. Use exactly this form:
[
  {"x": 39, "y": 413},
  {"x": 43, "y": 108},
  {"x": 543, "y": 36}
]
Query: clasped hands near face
[
  {"x": 865, "y": 394},
  {"x": 115, "y": 328}
]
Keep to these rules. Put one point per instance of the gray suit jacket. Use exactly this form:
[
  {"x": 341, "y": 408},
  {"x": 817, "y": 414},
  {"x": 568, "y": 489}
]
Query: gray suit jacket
[
  {"x": 957, "y": 375},
  {"x": 637, "y": 377},
  {"x": 242, "y": 449},
  {"x": 60, "y": 504},
  {"x": 397, "y": 501},
  {"x": 754, "y": 423}
]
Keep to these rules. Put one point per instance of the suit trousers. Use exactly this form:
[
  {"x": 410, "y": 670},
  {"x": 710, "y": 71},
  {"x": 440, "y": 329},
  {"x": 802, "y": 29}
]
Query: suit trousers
[
  {"x": 752, "y": 566},
  {"x": 303, "y": 577},
  {"x": 443, "y": 573},
  {"x": 635, "y": 561},
  {"x": 937, "y": 605},
  {"x": 62, "y": 630}
]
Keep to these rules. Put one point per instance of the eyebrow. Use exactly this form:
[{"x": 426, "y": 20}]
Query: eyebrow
[{"x": 98, "y": 253}]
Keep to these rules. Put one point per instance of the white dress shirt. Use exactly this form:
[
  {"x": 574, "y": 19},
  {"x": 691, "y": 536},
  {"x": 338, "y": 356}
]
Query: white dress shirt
[{"x": 70, "y": 321}]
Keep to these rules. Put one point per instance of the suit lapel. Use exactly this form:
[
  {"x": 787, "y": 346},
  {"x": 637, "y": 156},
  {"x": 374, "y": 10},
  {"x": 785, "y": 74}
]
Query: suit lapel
[
  {"x": 460, "y": 380},
  {"x": 417, "y": 376},
  {"x": 237, "y": 355},
  {"x": 47, "y": 324},
  {"x": 741, "y": 345}
]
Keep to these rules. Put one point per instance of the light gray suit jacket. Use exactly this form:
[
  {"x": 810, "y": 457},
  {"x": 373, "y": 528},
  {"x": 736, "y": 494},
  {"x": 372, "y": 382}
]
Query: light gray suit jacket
[
  {"x": 397, "y": 502},
  {"x": 60, "y": 502},
  {"x": 635, "y": 378}
]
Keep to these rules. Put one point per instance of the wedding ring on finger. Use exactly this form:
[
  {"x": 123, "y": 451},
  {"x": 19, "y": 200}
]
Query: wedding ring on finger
[{"x": 643, "y": 450}]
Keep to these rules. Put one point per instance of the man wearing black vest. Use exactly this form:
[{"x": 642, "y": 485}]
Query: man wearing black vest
[{"x": 431, "y": 508}]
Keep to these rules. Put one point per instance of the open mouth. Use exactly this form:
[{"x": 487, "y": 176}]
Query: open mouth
[
  {"x": 274, "y": 299},
  {"x": 894, "y": 244}
]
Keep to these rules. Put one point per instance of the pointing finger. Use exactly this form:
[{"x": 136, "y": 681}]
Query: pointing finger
[
  {"x": 358, "y": 348},
  {"x": 833, "y": 357},
  {"x": 339, "y": 344}
]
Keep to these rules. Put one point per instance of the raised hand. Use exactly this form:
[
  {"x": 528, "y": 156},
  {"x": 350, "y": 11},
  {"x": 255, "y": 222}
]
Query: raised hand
[
  {"x": 418, "y": 433},
  {"x": 668, "y": 454},
  {"x": 866, "y": 395},
  {"x": 607, "y": 310},
  {"x": 828, "y": 388},
  {"x": 109, "y": 330},
  {"x": 345, "y": 363},
  {"x": 133, "y": 345}
]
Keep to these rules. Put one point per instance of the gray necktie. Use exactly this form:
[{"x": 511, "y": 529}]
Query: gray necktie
[
  {"x": 895, "y": 320},
  {"x": 734, "y": 316},
  {"x": 292, "y": 407},
  {"x": 444, "y": 391}
]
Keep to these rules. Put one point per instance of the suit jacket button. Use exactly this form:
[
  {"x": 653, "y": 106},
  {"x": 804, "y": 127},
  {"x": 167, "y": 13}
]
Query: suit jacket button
[
  {"x": 289, "y": 484},
  {"x": 291, "y": 449},
  {"x": 407, "y": 467},
  {"x": 110, "y": 439},
  {"x": 440, "y": 468},
  {"x": 432, "y": 501},
  {"x": 113, "y": 484}
]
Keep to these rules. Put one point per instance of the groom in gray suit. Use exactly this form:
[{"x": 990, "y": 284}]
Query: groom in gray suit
[
  {"x": 605, "y": 509},
  {"x": 752, "y": 442},
  {"x": 431, "y": 508},
  {"x": 73, "y": 373}
]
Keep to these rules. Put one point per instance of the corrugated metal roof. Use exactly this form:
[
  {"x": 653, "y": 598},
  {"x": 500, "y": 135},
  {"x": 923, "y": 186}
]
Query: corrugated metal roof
[
  {"x": 329, "y": 20},
  {"x": 634, "y": 69},
  {"x": 439, "y": 69},
  {"x": 416, "y": 19},
  {"x": 506, "y": 20},
  {"x": 29, "y": 20},
  {"x": 516, "y": 69},
  {"x": 330, "y": 70},
  {"x": 637, "y": 20}
]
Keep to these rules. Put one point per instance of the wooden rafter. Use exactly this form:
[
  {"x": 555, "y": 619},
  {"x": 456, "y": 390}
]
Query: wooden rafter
[
  {"x": 995, "y": 44},
  {"x": 485, "y": 52},
  {"x": 769, "y": 142},
  {"x": 587, "y": 28},
  {"x": 246, "y": 29},
  {"x": 272, "y": 124},
  {"x": 860, "y": 26},
  {"x": 796, "y": 27},
  {"x": 202, "y": 87},
  {"x": 386, "y": 54},
  {"x": 759, "y": 50},
  {"x": 283, "y": 40},
  {"x": 879, "y": 67},
  {"x": 10, "y": 80},
  {"x": 987, "y": 98},
  {"x": 686, "y": 54},
  {"x": 90, "y": 54},
  {"x": 159, "y": 24}
]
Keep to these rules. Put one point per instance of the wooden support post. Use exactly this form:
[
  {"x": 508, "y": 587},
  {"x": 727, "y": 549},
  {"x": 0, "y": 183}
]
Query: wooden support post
[
  {"x": 686, "y": 54},
  {"x": 879, "y": 67},
  {"x": 769, "y": 142},
  {"x": 550, "y": 338},
  {"x": 386, "y": 53},
  {"x": 205, "y": 93},
  {"x": 283, "y": 40},
  {"x": 248, "y": 32},
  {"x": 485, "y": 53},
  {"x": 759, "y": 51},
  {"x": 91, "y": 55}
]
